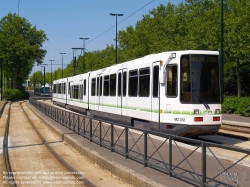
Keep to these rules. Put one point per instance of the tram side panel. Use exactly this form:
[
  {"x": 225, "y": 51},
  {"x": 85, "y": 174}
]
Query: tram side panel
[
  {"x": 60, "y": 91},
  {"x": 77, "y": 93}
]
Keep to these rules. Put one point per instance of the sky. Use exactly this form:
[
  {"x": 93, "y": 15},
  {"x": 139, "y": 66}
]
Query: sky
[{"x": 65, "y": 21}]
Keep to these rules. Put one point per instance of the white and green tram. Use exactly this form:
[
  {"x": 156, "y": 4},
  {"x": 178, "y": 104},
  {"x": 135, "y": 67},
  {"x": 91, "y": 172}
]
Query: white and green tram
[{"x": 177, "y": 92}]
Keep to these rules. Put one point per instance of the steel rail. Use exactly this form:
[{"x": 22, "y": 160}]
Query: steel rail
[
  {"x": 235, "y": 126},
  {"x": 9, "y": 173},
  {"x": 58, "y": 157}
]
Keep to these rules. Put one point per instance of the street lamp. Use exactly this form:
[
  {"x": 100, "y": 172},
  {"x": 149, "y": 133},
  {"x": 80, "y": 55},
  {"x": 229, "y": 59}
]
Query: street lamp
[
  {"x": 116, "y": 33},
  {"x": 62, "y": 62},
  {"x": 221, "y": 46},
  {"x": 1, "y": 86},
  {"x": 83, "y": 50},
  {"x": 51, "y": 73},
  {"x": 74, "y": 58},
  {"x": 43, "y": 81},
  {"x": 18, "y": 7}
]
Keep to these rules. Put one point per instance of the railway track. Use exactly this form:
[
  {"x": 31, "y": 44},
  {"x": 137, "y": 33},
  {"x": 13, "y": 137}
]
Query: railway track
[
  {"x": 7, "y": 164},
  {"x": 33, "y": 155},
  {"x": 235, "y": 130},
  {"x": 11, "y": 175}
]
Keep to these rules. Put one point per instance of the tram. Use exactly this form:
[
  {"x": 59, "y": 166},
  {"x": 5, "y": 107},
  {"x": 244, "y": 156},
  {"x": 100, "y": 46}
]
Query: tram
[
  {"x": 176, "y": 92},
  {"x": 42, "y": 90}
]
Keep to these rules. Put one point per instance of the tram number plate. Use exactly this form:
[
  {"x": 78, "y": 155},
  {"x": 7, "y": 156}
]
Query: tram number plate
[{"x": 179, "y": 119}]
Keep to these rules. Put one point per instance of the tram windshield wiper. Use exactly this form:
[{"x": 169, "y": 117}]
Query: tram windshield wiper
[{"x": 201, "y": 99}]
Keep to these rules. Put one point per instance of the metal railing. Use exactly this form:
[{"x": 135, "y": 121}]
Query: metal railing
[{"x": 191, "y": 160}]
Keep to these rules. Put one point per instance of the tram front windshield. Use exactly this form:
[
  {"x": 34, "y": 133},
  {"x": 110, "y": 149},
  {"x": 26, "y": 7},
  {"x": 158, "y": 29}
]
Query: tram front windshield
[{"x": 200, "y": 79}]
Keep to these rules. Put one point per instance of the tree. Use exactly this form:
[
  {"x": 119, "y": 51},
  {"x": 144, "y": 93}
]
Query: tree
[
  {"x": 237, "y": 36},
  {"x": 20, "y": 46},
  {"x": 36, "y": 78}
]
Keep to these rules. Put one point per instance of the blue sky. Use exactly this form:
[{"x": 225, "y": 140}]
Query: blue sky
[{"x": 65, "y": 21}]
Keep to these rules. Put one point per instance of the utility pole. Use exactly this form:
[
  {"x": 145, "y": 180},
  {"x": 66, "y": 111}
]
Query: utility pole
[
  {"x": 51, "y": 73},
  {"x": 83, "y": 46},
  {"x": 62, "y": 62},
  {"x": 74, "y": 58},
  {"x": 1, "y": 85},
  {"x": 116, "y": 35}
]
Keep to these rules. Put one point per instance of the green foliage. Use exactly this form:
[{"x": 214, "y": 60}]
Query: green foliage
[
  {"x": 36, "y": 78},
  {"x": 230, "y": 81},
  {"x": 236, "y": 105},
  {"x": 20, "y": 46},
  {"x": 192, "y": 24},
  {"x": 15, "y": 94}
]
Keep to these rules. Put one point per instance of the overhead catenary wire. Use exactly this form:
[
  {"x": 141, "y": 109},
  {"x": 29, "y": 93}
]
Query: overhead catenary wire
[{"x": 69, "y": 54}]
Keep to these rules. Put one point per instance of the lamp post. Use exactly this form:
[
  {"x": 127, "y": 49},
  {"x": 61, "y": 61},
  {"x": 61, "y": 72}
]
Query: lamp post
[
  {"x": 1, "y": 86},
  {"x": 83, "y": 46},
  {"x": 18, "y": 7},
  {"x": 116, "y": 34},
  {"x": 74, "y": 58},
  {"x": 43, "y": 82},
  {"x": 221, "y": 45},
  {"x": 51, "y": 73},
  {"x": 62, "y": 62}
]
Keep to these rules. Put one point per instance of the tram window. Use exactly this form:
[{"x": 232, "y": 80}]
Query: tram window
[
  {"x": 76, "y": 91},
  {"x": 144, "y": 82},
  {"x": 59, "y": 89},
  {"x": 54, "y": 88},
  {"x": 133, "y": 83},
  {"x": 97, "y": 85},
  {"x": 113, "y": 85},
  {"x": 172, "y": 81},
  {"x": 101, "y": 86},
  {"x": 64, "y": 87},
  {"x": 155, "y": 81},
  {"x": 72, "y": 91},
  {"x": 119, "y": 84},
  {"x": 84, "y": 87},
  {"x": 124, "y": 83},
  {"x": 69, "y": 89},
  {"x": 81, "y": 90},
  {"x": 185, "y": 79},
  {"x": 93, "y": 86},
  {"x": 106, "y": 86}
]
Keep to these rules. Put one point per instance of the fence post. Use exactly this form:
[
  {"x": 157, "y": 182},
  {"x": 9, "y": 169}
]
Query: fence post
[
  {"x": 90, "y": 130},
  {"x": 74, "y": 121},
  {"x": 126, "y": 142},
  {"x": 204, "y": 160},
  {"x": 78, "y": 125},
  {"x": 145, "y": 149},
  {"x": 100, "y": 136},
  {"x": 69, "y": 121},
  {"x": 170, "y": 155},
  {"x": 112, "y": 138},
  {"x": 84, "y": 121}
]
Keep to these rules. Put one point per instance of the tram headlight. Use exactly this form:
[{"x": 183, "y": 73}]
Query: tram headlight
[
  {"x": 217, "y": 111},
  {"x": 196, "y": 111}
]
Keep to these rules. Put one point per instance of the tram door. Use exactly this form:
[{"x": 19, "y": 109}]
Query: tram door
[
  {"x": 99, "y": 81},
  {"x": 122, "y": 94},
  {"x": 155, "y": 100}
]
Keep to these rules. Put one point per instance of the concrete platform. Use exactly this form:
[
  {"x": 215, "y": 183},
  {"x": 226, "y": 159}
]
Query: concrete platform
[{"x": 127, "y": 170}]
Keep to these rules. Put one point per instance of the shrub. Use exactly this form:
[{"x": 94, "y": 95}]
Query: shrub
[
  {"x": 15, "y": 94},
  {"x": 236, "y": 105}
]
